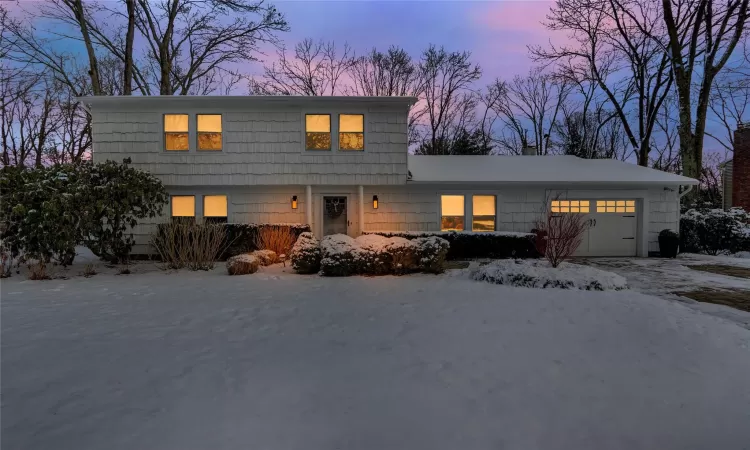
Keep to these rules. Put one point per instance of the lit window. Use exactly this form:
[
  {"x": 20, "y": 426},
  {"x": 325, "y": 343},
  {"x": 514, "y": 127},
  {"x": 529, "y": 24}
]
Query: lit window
[
  {"x": 209, "y": 131},
  {"x": 317, "y": 132},
  {"x": 483, "y": 207},
  {"x": 176, "y": 132},
  {"x": 351, "y": 132},
  {"x": 615, "y": 206},
  {"x": 183, "y": 206},
  {"x": 215, "y": 208},
  {"x": 452, "y": 212},
  {"x": 570, "y": 206}
]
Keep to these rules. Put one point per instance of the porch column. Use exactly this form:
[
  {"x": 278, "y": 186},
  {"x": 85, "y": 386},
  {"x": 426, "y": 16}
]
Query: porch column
[
  {"x": 308, "y": 205},
  {"x": 361, "y": 210}
]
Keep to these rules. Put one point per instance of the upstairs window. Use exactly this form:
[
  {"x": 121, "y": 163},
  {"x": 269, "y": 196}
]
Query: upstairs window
[
  {"x": 215, "y": 208},
  {"x": 351, "y": 132},
  {"x": 452, "y": 212},
  {"x": 183, "y": 208},
  {"x": 209, "y": 132},
  {"x": 317, "y": 132},
  {"x": 176, "y": 132},
  {"x": 483, "y": 210}
]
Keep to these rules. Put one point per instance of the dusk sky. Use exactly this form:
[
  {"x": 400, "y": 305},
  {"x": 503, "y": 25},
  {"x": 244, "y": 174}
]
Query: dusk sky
[{"x": 496, "y": 32}]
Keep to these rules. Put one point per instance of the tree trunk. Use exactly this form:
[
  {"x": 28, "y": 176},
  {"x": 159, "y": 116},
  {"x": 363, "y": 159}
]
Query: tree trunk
[
  {"x": 127, "y": 88},
  {"x": 78, "y": 11}
]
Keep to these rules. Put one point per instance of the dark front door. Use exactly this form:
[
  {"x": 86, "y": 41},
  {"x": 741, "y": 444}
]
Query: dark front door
[{"x": 334, "y": 215}]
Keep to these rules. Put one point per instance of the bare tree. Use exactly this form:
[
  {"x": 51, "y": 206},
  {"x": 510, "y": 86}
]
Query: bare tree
[
  {"x": 315, "y": 68},
  {"x": 702, "y": 37},
  {"x": 616, "y": 44},
  {"x": 448, "y": 101},
  {"x": 729, "y": 103},
  {"x": 385, "y": 74},
  {"x": 534, "y": 101}
]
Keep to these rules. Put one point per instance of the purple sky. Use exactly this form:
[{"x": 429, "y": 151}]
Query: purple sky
[{"x": 496, "y": 32}]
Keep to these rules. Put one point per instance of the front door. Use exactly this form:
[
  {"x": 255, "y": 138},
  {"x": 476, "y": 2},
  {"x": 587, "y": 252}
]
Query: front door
[{"x": 334, "y": 215}]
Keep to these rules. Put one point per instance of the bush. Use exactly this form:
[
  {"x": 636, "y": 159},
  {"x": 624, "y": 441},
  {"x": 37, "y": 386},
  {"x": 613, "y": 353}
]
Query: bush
[
  {"x": 541, "y": 274},
  {"x": 266, "y": 257},
  {"x": 669, "y": 242},
  {"x": 305, "y": 254},
  {"x": 117, "y": 197},
  {"x": 714, "y": 230},
  {"x": 340, "y": 256},
  {"x": 463, "y": 245},
  {"x": 245, "y": 238},
  {"x": 431, "y": 253},
  {"x": 377, "y": 255},
  {"x": 243, "y": 264},
  {"x": 195, "y": 246},
  {"x": 47, "y": 211}
]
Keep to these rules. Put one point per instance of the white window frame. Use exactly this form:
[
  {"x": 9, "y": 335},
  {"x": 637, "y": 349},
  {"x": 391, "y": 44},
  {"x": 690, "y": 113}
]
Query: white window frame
[{"x": 197, "y": 132}]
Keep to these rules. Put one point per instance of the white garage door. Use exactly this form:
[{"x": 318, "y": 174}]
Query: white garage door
[{"x": 613, "y": 225}]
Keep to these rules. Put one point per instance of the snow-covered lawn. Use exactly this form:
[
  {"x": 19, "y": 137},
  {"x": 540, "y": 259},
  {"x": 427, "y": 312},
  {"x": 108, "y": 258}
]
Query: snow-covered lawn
[{"x": 199, "y": 360}]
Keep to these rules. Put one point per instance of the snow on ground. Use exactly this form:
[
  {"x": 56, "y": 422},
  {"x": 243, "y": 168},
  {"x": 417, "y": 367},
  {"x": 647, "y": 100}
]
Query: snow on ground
[
  {"x": 664, "y": 276},
  {"x": 197, "y": 360}
]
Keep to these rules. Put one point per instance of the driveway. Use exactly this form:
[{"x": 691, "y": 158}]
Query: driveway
[{"x": 276, "y": 361}]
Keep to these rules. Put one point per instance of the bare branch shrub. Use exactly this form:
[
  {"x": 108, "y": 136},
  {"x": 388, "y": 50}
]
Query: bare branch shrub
[
  {"x": 37, "y": 270},
  {"x": 560, "y": 234},
  {"x": 195, "y": 246},
  {"x": 278, "y": 239}
]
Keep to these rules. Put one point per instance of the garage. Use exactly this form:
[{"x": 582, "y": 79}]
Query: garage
[{"x": 612, "y": 225}]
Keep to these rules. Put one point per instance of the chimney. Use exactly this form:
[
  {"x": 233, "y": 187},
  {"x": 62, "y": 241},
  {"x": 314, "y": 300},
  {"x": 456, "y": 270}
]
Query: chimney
[
  {"x": 741, "y": 167},
  {"x": 529, "y": 150}
]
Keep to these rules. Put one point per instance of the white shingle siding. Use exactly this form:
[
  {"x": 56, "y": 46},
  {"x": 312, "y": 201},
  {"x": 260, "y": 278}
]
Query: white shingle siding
[
  {"x": 260, "y": 148},
  {"x": 663, "y": 213}
]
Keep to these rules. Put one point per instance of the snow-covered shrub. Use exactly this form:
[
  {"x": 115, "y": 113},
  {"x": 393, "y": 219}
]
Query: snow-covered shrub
[
  {"x": 341, "y": 256},
  {"x": 403, "y": 254},
  {"x": 464, "y": 244},
  {"x": 541, "y": 274},
  {"x": 375, "y": 258},
  {"x": 305, "y": 254},
  {"x": 714, "y": 230},
  {"x": 431, "y": 253},
  {"x": 266, "y": 257},
  {"x": 242, "y": 264}
]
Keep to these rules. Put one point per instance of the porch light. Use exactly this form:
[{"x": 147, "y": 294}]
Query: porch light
[
  {"x": 374, "y": 202},
  {"x": 294, "y": 202}
]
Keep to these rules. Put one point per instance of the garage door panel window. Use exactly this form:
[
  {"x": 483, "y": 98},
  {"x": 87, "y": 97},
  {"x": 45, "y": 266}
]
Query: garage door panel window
[
  {"x": 615, "y": 206},
  {"x": 570, "y": 206},
  {"x": 452, "y": 213},
  {"x": 483, "y": 213}
]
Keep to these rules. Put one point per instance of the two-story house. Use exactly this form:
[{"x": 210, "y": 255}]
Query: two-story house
[{"x": 342, "y": 165}]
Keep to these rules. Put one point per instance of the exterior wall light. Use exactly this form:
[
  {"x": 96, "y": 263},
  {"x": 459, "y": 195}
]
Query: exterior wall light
[
  {"x": 294, "y": 202},
  {"x": 374, "y": 202}
]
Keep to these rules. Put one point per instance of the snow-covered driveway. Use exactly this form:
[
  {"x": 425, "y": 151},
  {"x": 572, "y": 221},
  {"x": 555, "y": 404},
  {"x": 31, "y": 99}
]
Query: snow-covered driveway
[{"x": 275, "y": 361}]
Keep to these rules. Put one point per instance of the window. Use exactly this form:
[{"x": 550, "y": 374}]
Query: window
[
  {"x": 483, "y": 218},
  {"x": 452, "y": 212},
  {"x": 317, "y": 132},
  {"x": 615, "y": 206},
  {"x": 209, "y": 131},
  {"x": 351, "y": 132},
  {"x": 176, "y": 132},
  {"x": 183, "y": 208},
  {"x": 215, "y": 208},
  {"x": 570, "y": 206}
]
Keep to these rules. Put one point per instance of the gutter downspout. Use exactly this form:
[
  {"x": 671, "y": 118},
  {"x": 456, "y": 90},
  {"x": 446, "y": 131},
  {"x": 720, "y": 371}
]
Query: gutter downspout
[
  {"x": 689, "y": 188},
  {"x": 308, "y": 205}
]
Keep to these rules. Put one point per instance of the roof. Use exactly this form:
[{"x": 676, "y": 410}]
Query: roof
[
  {"x": 562, "y": 169},
  {"x": 238, "y": 100}
]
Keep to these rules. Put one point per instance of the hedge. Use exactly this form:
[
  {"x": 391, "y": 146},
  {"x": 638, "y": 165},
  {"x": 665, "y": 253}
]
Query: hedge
[
  {"x": 241, "y": 237},
  {"x": 714, "y": 231},
  {"x": 463, "y": 245}
]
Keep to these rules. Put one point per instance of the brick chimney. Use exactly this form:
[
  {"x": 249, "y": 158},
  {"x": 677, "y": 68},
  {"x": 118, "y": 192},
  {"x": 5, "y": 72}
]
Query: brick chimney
[{"x": 741, "y": 167}]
